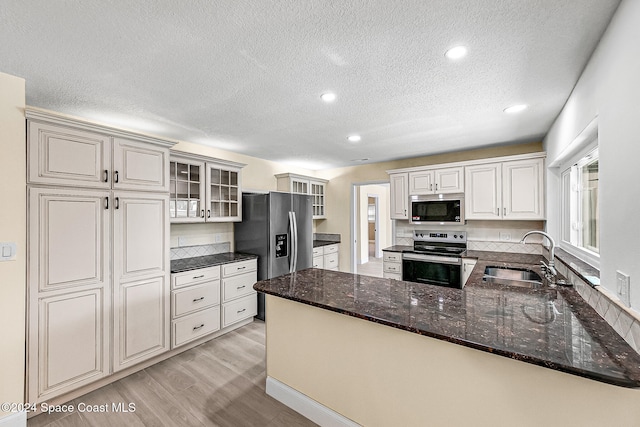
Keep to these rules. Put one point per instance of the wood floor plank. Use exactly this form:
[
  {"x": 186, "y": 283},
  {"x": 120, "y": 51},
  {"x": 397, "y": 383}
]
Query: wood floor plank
[
  {"x": 218, "y": 383},
  {"x": 155, "y": 405}
]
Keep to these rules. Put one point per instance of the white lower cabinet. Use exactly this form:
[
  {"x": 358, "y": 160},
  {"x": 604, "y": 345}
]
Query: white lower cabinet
[
  {"x": 194, "y": 326},
  {"x": 327, "y": 257},
  {"x": 318, "y": 257},
  {"x": 206, "y": 300},
  {"x": 467, "y": 268},
  {"x": 239, "y": 309},
  {"x": 392, "y": 265},
  {"x": 239, "y": 299}
]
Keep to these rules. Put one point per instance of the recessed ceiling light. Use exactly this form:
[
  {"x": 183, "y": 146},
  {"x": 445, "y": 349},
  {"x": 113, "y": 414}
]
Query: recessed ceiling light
[
  {"x": 354, "y": 138},
  {"x": 456, "y": 52},
  {"x": 515, "y": 108},
  {"x": 328, "y": 97}
]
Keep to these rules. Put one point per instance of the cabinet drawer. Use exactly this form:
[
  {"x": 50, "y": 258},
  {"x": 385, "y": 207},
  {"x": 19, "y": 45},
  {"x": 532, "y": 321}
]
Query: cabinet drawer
[
  {"x": 239, "y": 267},
  {"x": 330, "y": 249},
  {"x": 331, "y": 261},
  {"x": 395, "y": 276},
  {"x": 318, "y": 261},
  {"x": 194, "y": 326},
  {"x": 238, "y": 286},
  {"x": 392, "y": 267},
  {"x": 318, "y": 251},
  {"x": 180, "y": 280},
  {"x": 239, "y": 309},
  {"x": 195, "y": 298},
  {"x": 392, "y": 256}
]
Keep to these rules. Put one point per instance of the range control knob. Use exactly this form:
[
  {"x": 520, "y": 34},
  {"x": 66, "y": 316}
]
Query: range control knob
[{"x": 455, "y": 236}]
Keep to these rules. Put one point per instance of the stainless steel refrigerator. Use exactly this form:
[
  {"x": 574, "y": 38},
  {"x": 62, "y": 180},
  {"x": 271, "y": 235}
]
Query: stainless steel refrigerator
[{"x": 278, "y": 228}]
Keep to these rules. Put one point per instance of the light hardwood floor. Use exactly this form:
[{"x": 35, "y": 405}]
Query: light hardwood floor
[{"x": 219, "y": 383}]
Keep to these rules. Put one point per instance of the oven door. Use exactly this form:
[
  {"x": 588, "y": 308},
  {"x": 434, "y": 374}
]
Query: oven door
[{"x": 432, "y": 269}]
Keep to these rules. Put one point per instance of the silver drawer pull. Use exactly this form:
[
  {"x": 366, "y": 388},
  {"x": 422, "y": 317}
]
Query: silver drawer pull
[
  {"x": 241, "y": 287},
  {"x": 195, "y": 328},
  {"x": 198, "y": 299},
  {"x": 242, "y": 268},
  {"x": 241, "y": 311},
  {"x": 198, "y": 277}
]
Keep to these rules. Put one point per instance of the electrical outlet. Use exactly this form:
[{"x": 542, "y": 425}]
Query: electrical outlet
[
  {"x": 217, "y": 238},
  {"x": 505, "y": 236},
  {"x": 182, "y": 241},
  {"x": 624, "y": 287}
]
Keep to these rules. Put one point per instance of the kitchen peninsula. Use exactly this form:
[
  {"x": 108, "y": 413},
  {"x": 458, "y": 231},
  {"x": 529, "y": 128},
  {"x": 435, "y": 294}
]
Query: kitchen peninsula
[{"x": 387, "y": 352}]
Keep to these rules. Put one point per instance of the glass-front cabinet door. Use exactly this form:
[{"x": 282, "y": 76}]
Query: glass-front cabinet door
[
  {"x": 204, "y": 189},
  {"x": 223, "y": 185},
  {"x": 187, "y": 190},
  {"x": 318, "y": 193},
  {"x": 224, "y": 193}
]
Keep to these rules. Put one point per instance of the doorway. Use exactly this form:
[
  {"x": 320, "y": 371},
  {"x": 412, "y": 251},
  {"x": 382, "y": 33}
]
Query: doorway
[{"x": 371, "y": 227}]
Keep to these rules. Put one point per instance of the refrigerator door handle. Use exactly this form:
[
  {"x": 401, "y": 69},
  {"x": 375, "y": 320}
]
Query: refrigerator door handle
[
  {"x": 292, "y": 243},
  {"x": 295, "y": 240}
]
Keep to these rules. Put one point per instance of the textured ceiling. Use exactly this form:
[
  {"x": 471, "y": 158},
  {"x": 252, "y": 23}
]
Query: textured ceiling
[{"x": 246, "y": 76}]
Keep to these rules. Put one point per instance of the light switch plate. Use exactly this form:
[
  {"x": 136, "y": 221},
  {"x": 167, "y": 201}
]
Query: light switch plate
[
  {"x": 505, "y": 236},
  {"x": 623, "y": 282},
  {"x": 7, "y": 251}
]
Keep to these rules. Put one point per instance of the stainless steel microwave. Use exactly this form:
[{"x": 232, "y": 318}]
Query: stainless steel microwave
[{"x": 445, "y": 209}]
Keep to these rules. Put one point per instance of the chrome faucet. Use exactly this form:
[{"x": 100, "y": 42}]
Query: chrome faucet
[{"x": 551, "y": 267}]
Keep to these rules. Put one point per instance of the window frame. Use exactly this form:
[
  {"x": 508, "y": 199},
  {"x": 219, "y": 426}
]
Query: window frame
[{"x": 567, "y": 232}]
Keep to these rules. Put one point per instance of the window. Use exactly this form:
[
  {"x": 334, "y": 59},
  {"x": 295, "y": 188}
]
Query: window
[{"x": 580, "y": 211}]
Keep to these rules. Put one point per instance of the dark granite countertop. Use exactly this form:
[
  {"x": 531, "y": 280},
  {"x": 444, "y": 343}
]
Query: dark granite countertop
[
  {"x": 187, "y": 264},
  {"x": 551, "y": 326},
  {"x": 319, "y": 243}
]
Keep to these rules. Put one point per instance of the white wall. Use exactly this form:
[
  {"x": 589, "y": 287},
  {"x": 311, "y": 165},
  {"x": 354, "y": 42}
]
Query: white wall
[
  {"x": 13, "y": 228},
  {"x": 610, "y": 89}
]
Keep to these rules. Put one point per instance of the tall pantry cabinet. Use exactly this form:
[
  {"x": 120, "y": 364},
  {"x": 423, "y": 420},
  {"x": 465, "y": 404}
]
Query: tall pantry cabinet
[{"x": 98, "y": 236}]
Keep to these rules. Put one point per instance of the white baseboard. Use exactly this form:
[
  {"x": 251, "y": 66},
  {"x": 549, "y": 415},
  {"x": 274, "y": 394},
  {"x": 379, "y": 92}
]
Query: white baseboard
[
  {"x": 16, "y": 419},
  {"x": 306, "y": 406}
]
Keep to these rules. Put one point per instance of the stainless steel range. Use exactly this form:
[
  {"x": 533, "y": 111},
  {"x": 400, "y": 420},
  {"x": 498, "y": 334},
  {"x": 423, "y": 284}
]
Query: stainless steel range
[{"x": 436, "y": 258}]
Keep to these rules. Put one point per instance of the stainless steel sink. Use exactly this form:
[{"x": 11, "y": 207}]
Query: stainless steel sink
[{"x": 512, "y": 276}]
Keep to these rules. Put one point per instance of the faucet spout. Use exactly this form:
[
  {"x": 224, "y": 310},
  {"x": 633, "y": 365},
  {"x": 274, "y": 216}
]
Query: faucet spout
[{"x": 552, "y": 246}]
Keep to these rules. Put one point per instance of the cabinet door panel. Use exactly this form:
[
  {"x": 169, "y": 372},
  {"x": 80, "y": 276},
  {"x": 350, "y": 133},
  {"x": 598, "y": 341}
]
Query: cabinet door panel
[
  {"x": 141, "y": 321},
  {"x": 71, "y": 333},
  {"x": 450, "y": 180},
  {"x": 421, "y": 183},
  {"x": 140, "y": 235},
  {"x": 523, "y": 189},
  {"x": 399, "y": 196},
  {"x": 140, "y": 166},
  {"x": 483, "y": 192},
  {"x": 69, "y": 238},
  {"x": 66, "y": 156}
]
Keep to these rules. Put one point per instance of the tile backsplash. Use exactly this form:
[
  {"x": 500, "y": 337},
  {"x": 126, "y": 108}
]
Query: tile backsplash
[{"x": 199, "y": 250}]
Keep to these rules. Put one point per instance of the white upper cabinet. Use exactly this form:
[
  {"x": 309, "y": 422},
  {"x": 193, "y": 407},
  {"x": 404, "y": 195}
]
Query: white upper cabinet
[
  {"x": 300, "y": 184},
  {"x": 204, "y": 189},
  {"x": 68, "y": 156},
  {"x": 399, "y": 198},
  {"x": 66, "y": 152},
  {"x": 436, "y": 181},
  {"x": 139, "y": 166},
  {"x": 523, "y": 189},
  {"x": 483, "y": 193},
  {"x": 508, "y": 190}
]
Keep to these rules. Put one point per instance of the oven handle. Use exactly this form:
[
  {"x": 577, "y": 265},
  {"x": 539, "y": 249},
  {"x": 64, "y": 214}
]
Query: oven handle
[{"x": 432, "y": 258}]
